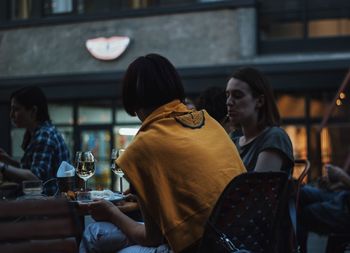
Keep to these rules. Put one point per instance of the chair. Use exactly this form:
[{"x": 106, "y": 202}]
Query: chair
[
  {"x": 299, "y": 175},
  {"x": 247, "y": 214},
  {"x": 300, "y": 171},
  {"x": 40, "y": 226}
]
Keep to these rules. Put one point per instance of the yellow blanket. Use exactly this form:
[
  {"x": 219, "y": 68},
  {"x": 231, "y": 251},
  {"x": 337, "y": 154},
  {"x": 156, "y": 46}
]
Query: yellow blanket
[{"x": 179, "y": 163}]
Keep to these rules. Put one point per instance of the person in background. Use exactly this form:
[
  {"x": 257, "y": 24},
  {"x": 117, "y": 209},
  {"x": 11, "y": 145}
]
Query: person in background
[
  {"x": 213, "y": 100},
  {"x": 325, "y": 211},
  {"x": 44, "y": 147},
  {"x": 252, "y": 109},
  {"x": 189, "y": 104},
  {"x": 179, "y": 163}
]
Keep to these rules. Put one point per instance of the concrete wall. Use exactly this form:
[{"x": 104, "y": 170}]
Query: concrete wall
[{"x": 194, "y": 39}]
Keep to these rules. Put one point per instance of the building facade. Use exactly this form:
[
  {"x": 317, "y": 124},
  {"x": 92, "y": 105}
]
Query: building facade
[{"x": 301, "y": 45}]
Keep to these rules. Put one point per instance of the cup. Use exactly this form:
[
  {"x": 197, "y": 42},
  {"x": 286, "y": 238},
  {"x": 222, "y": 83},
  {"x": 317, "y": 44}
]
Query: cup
[
  {"x": 83, "y": 197},
  {"x": 32, "y": 187}
]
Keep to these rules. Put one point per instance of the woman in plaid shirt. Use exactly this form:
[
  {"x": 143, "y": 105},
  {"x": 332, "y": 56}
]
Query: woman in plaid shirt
[{"x": 44, "y": 147}]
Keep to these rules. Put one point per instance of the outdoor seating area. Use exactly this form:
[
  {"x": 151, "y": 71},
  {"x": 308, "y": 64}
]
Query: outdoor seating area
[{"x": 174, "y": 126}]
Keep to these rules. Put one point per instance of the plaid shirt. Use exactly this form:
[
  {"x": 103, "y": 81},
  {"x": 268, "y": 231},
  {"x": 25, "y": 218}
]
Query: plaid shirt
[{"x": 45, "y": 153}]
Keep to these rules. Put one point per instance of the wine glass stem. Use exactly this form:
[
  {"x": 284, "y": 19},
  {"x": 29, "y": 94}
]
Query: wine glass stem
[
  {"x": 121, "y": 184},
  {"x": 85, "y": 184}
]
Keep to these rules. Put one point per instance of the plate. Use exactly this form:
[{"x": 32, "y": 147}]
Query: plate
[
  {"x": 107, "y": 195},
  {"x": 86, "y": 197}
]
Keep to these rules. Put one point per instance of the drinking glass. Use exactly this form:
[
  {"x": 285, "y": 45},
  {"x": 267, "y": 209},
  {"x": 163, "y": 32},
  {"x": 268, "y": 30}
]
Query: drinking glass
[
  {"x": 32, "y": 187},
  {"x": 86, "y": 166},
  {"x": 115, "y": 168},
  {"x": 84, "y": 197}
]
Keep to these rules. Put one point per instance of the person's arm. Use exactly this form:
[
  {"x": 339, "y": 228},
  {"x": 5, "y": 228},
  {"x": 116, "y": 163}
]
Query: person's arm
[
  {"x": 337, "y": 174},
  {"x": 6, "y": 158},
  {"x": 39, "y": 168},
  {"x": 103, "y": 210},
  {"x": 269, "y": 160},
  {"x": 16, "y": 174}
]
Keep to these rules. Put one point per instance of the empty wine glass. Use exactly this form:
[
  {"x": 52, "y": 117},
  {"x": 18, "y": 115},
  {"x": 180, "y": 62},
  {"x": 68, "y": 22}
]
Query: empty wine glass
[
  {"x": 86, "y": 166},
  {"x": 115, "y": 168}
]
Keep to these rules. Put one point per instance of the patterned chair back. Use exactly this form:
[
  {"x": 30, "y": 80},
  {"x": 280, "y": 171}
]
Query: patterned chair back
[{"x": 247, "y": 214}]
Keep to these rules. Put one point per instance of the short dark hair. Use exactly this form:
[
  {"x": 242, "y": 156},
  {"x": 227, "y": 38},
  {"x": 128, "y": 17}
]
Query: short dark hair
[
  {"x": 31, "y": 96},
  {"x": 268, "y": 114},
  {"x": 149, "y": 82},
  {"x": 213, "y": 100}
]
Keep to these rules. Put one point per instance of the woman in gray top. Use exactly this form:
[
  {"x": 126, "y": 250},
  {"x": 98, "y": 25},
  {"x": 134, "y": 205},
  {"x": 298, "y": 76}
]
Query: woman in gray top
[{"x": 251, "y": 107}]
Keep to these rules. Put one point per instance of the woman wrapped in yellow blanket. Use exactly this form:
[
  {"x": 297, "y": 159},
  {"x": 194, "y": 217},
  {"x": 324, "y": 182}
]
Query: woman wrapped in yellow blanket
[{"x": 178, "y": 164}]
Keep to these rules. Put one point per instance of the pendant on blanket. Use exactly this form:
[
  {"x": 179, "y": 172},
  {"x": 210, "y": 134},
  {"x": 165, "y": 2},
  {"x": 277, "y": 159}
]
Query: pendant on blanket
[{"x": 194, "y": 119}]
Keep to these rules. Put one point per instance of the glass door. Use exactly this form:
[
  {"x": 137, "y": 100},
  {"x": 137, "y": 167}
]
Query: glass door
[{"x": 98, "y": 140}]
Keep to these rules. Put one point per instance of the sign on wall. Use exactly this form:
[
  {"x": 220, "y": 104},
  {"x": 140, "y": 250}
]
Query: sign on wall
[{"x": 107, "y": 48}]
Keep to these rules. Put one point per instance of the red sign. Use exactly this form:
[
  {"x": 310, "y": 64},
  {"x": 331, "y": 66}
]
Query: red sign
[{"x": 107, "y": 48}]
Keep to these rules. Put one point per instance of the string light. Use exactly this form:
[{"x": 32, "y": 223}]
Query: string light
[
  {"x": 339, "y": 102},
  {"x": 342, "y": 95}
]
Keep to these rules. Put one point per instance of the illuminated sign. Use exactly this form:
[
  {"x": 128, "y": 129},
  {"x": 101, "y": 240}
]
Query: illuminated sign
[{"x": 107, "y": 48}]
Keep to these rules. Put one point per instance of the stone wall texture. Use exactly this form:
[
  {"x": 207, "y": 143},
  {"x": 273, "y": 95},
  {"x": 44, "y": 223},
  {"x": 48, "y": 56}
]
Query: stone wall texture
[{"x": 196, "y": 39}]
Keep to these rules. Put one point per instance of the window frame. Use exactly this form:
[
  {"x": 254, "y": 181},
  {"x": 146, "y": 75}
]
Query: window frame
[{"x": 305, "y": 43}]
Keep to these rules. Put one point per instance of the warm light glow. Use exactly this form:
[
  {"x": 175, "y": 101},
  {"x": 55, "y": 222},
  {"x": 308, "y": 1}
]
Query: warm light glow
[
  {"x": 342, "y": 95},
  {"x": 339, "y": 102},
  {"x": 128, "y": 131},
  {"x": 326, "y": 149}
]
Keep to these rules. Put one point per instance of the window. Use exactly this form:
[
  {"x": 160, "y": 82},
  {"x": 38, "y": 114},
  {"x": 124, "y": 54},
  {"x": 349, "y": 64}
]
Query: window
[
  {"x": 294, "y": 25},
  {"x": 21, "y": 9},
  {"x": 41, "y": 11},
  {"x": 98, "y": 113},
  {"x": 280, "y": 19},
  {"x": 291, "y": 106},
  {"x": 334, "y": 140},
  {"x": 122, "y": 117},
  {"x": 298, "y": 136},
  {"x": 52, "y": 7},
  {"x": 329, "y": 27},
  {"x": 61, "y": 114},
  {"x": 17, "y": 138}
]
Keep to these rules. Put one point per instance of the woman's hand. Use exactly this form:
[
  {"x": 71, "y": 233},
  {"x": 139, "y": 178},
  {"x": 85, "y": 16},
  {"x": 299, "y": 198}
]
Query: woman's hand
[
  {"x": 127, "y": 206},
  {"x": 101, "y": 210}
]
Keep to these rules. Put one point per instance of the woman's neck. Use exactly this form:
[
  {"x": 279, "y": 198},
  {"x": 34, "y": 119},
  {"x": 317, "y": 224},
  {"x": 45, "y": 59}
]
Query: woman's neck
[
  {"x": 32, "y": 126},
  {"x": 250, "y": 133}
]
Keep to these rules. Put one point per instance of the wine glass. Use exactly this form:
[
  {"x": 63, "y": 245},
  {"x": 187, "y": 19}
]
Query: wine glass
[
  {"x": 86, "y": 166},
  {"x": 115, "y": 168},
  {"x": 76, "y": 159}
]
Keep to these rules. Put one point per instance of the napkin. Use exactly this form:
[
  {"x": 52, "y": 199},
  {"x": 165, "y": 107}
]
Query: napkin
[{"x": 65, "y": 170}]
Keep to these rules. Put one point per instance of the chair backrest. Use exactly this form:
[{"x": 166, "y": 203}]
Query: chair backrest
[
  {"x": 41, "y": 225},
  {"x": 247, "y": 213},
  {"x": 300, "y": 172}
]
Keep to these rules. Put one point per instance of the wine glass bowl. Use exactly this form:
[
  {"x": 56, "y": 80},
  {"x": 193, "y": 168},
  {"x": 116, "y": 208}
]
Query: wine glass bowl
[{"x": 85, "y": 166}]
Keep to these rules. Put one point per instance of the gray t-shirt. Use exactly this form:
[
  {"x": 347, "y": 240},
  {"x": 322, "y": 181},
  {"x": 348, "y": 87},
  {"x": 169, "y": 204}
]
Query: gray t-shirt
[{"x": 273, "y": 138}]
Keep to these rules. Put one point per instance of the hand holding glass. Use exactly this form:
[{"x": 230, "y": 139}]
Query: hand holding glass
[
  {"x": 115, "y": 168},
  {"x": 86, "y": 166},
  {"x": 84, "y": 197}
]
